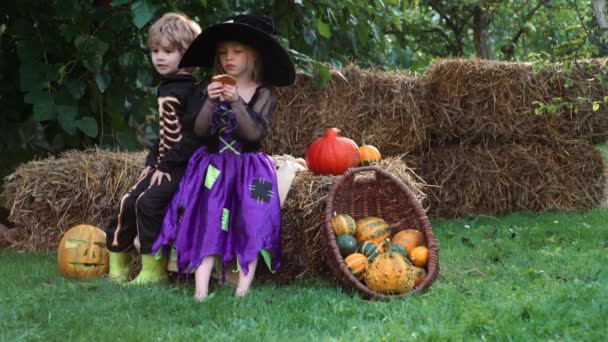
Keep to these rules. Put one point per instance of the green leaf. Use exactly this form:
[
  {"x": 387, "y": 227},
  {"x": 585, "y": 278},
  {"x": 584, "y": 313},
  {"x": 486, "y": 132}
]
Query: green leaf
[
  {"x": 32, "y": 76},
  {"x": 362, "y": 34},
  {"x": 44, "y": 108},
  {"x": 324, "y": 29},
  {"x": 92, "y": 50},
  {"x": 322, "y": 75},
  {"x": 596, "y": 106},
  {"x": 127, "y": 139},
  {"x": 120, "y": 2},
  {"x": 143, "y": 11},
  {"x": 568, "y": 83},
  {"x": 29, "y": 51},
  {"x": 66, "y": 116},
  {"x": 88, "y": 126},
  {"x": 76, "y": 88},
  {"x": 103, "y": 79}
]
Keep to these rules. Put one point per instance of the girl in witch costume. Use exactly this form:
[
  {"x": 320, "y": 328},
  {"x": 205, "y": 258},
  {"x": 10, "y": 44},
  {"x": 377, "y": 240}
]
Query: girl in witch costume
[
  {"x": 227, "y": 206},
  {"x": 142, "y": 208}
]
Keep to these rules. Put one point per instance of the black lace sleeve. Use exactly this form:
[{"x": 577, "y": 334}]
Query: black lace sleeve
[{"x": 253, "y": 119}]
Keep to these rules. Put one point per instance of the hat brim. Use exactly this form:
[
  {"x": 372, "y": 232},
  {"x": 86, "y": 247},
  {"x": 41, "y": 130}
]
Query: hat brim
[{"x": 277, "y": 67}]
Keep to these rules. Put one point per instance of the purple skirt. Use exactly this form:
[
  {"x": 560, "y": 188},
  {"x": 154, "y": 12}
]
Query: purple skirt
[{"x": 227, "y": 205}]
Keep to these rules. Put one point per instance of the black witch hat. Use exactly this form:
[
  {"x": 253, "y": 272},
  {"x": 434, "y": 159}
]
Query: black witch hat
[{"x": 255, "y": 31}]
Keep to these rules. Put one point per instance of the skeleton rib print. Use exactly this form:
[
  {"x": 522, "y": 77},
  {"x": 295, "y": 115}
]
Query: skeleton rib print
[{"x": 170, "y": 127}]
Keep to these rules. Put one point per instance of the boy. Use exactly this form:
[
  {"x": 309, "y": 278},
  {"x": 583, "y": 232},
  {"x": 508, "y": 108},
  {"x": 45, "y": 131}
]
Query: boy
[{"x": 142, "y": 208}]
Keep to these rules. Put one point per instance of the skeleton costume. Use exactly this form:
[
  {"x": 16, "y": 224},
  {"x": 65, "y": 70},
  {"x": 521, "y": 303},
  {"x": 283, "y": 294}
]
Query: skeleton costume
[
  {"x": 142, "y": 208},
  {"x": 228, "y": 204}
]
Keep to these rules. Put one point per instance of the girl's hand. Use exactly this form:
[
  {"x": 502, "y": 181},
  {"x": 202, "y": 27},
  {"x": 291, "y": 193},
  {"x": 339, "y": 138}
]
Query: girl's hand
[
  {"x": 214, "y": 90},
  {"x": 157, "y": 178},
  {"x": 144, "y": 173},
  {"x": 230, "y": 93}
]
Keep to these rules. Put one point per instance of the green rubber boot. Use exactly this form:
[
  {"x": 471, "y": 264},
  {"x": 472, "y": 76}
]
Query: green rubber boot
[
  {"x": 153, "y": 270},
  {"x": 120, "y": 266}
]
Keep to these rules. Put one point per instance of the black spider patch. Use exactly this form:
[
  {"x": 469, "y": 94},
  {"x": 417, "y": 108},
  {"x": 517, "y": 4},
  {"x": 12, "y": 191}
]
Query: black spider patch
[
  {"x": 261, "y": 190},
  {"x": 180, "y": 213}
]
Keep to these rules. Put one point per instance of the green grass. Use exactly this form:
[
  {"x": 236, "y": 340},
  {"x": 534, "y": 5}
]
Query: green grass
[{"x": 520, "y": 277}]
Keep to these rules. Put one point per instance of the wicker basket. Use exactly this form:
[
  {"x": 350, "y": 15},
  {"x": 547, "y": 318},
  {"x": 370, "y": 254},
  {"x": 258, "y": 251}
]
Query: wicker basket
[{"x": 371, "y": 191}]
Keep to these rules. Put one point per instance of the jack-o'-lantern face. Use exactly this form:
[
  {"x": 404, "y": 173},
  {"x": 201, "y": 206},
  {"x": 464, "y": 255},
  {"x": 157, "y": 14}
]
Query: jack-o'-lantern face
[{"x": 82, "y": 252}]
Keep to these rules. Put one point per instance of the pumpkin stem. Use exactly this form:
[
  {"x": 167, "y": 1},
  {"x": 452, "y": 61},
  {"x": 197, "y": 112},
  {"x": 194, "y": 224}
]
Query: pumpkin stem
[{"x": 332, "y": 133}]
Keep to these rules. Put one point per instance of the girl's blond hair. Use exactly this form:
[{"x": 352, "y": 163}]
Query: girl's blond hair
[
  {"x": 254, "y": 63},
  {"x": 178, "y": 29}
]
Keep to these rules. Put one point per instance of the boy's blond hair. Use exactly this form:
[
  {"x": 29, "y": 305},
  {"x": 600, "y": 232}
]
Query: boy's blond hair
[{"x": 177, "y": 28}]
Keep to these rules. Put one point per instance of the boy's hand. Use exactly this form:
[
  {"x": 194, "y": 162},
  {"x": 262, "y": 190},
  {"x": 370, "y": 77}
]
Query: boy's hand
[
  {"x": 157, "y": 178},
  {"x": 144, "y": 173},
  {"x": 214, "y": 90},
  {"x": 230, "y": 93}
]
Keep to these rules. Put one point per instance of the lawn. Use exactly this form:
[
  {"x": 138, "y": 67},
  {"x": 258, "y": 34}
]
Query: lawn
[{"x": 519, "y": 277}]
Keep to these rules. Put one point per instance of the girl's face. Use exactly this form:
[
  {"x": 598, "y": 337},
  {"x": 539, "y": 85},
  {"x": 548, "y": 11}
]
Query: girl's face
[
  {"x": 236, "y": 59},
  {"x": 165, "y": 58}
]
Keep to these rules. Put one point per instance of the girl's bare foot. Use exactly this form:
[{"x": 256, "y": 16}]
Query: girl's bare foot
[
  {"x": 201, "y": 278},
  {"x": 245, "y": 280}
]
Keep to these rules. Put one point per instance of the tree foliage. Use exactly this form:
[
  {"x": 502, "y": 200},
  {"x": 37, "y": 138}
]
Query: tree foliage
[{"x": 77, "y": 74}]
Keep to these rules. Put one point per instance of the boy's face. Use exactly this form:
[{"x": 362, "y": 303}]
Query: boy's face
[
  {"x": 166, "y": 58},
  {"x": 234, "y": 59}
]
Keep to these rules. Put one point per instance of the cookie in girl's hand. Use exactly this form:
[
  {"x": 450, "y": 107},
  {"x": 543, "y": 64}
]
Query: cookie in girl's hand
[{"x": 224, "y": 78}]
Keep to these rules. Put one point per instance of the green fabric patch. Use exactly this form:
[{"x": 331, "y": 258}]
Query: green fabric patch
[
  {"x": 225, "y": 219},
  {"x": 267, "y": 259},
  {"x": 238, "y": 265},
  {"x": 211, "y": 176},
  {"x": 159, "y": 254},
  {"x": 173, "y": 255}
]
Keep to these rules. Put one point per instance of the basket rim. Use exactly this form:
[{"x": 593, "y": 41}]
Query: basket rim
[{"x": 425, "y": 228}]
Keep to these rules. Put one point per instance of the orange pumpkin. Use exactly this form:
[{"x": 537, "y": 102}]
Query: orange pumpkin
[
  {"x": 82, "y": 252},
  {"x": 372, "y": 229},
  {"x": 419, "y": 274},
  {"x": 408, "y": 238},
  {"x": 331, "y": 154},
  {"x": 357, "y": 263},
  {"x": 390, "y": 273},
  {"x": 419, "y": 256},
  {"x": 369, "y": 154}
]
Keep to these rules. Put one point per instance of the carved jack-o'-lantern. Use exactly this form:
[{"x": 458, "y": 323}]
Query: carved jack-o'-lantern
[{"x": 82, "y": 252}]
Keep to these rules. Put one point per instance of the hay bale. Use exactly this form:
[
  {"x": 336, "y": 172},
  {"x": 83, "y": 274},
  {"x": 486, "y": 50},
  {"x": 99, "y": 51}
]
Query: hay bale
[
  {"x": 477, "y": 180},
  {"x": 473, "y": 101},
  {"x": 376, "y": 106},
  {"x": 303, "y": 210},
  {"x": 49, "y": 196}
]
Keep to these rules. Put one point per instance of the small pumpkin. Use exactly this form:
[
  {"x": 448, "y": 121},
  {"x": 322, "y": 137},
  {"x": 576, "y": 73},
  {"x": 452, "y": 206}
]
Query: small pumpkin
[
  {"x": 357, "y": 263},
  {"x": 390, "y": 273},
  {"x": 400, "y": 250},
  {"x": 369, "y": 154},
  {"x": 372, "y": 229},
  {"x": 347, "y": 244},
  {"x": 343, "y": 224},
  {"x": 408, "y": 238},
  {"x": 370, "y": 249},
  {"x": 82, "y": 252},
  {"x": 419, "y": 274},
  {"x": 331, "y": 154},
  {"x": 419, "y": 256}
]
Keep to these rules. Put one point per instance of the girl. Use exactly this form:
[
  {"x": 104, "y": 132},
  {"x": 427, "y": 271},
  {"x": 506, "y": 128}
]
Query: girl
[{"x": 227, "y": 206}]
